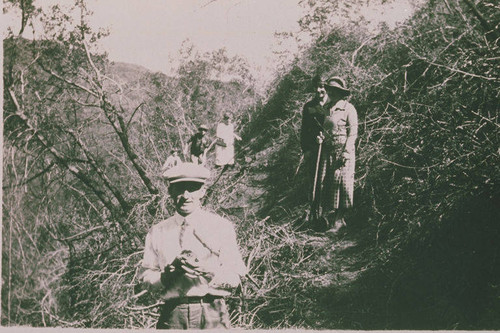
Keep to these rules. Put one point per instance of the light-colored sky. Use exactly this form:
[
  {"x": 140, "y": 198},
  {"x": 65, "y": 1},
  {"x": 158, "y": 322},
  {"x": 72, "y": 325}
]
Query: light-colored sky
[
  {"x": 150, "y": 32},
  {"x": 156, "y": 31}
]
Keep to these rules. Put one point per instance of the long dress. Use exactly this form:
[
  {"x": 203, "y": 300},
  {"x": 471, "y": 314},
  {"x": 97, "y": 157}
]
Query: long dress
[
  {"x": 225, "y": 154},
  {"x": 341, "y": 127}
]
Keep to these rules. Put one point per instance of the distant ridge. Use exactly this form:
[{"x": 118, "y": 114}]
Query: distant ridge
[
  {"x": 124, "y": 66},
  {"x": 126, "y": 72}
]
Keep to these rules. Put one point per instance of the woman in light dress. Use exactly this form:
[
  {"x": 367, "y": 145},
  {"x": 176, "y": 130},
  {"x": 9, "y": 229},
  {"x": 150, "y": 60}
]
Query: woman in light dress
[{"x": 224, "y": 150}]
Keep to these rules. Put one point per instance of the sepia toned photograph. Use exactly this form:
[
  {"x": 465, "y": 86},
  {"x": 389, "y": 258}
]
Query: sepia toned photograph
[{"x": 251, "y": 164}]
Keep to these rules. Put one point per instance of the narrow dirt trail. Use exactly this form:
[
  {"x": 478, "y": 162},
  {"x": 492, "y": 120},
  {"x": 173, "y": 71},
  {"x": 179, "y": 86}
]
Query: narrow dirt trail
[{"x": 243, "y": 191}]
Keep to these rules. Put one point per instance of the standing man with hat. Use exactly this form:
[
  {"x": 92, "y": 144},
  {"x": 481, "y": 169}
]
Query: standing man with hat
[
  {"x": 193, "y": 256},
  {"x": 199, "y": 143},
  {"x": 328, "y": 135}
]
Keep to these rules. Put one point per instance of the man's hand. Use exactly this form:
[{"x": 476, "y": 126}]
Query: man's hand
[
  {"x": 345, "y": 157},
  {"x": 220, "y": 142},
  {"x": 193, "y": 267},
  {"x": 170, "y": 275}
]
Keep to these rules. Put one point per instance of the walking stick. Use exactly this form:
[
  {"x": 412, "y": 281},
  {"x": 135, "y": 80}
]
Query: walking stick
[
  {"x": 316, "y": 175},
  {"x": 317, "y": 168}
]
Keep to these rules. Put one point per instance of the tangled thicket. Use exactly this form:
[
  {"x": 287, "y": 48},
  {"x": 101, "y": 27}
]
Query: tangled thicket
[{"x": 83, "y": 145}]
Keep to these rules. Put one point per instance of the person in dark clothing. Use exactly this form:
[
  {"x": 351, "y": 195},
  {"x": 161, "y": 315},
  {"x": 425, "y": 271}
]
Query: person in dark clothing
[
  {"x": 311, "y": 134},
  {"x": 199, "y": 144},
  {"x": 313, "y": 116}
]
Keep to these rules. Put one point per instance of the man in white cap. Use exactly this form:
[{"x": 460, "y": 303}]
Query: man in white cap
[{"x": 193, "y": 256}]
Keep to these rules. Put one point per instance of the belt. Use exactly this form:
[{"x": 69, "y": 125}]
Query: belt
[{"x": 192, "y": 300}]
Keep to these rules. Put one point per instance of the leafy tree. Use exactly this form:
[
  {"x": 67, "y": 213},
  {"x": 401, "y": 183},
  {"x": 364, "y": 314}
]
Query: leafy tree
[
  {"x": 68, "y": 122},
  {"x": 81, "y": 181},
  {"x": 204, "y": 88}
]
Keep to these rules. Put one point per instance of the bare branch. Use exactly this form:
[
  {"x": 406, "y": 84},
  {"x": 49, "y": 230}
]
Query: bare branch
[
  {"x": 456, "y": 70},
  {"x": 76, "y": 85},
  {"x": 80, "y": 235},
  {"x": 132, "y": 116},
  {"x": 107, "y": 182},
  {"x": 355, "y": 53},
  {"x": 91, "y": 62},
  {"x": 491, "y": 33},
  {"x": 41, "y": 173},
  {"x": 59, "y": 159}
]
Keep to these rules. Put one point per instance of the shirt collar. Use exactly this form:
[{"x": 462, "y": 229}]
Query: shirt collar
[{"x": 191, "y": 219}]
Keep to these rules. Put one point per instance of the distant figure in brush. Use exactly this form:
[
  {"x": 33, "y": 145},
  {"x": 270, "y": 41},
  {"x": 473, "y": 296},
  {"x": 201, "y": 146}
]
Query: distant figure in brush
[
  {"x": 172, "y": 160},
  {"x": 329, "y": 131},
  {"x": 199, "y": 144},
  {"x": 224, "y": 150}
]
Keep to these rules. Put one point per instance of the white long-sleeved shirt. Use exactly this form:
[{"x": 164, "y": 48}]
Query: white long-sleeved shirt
[{"x": 209, "y": 237}]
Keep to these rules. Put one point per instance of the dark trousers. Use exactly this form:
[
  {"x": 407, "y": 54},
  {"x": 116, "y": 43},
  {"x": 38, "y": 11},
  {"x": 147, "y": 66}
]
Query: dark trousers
[{"x": 194, "y": 313}]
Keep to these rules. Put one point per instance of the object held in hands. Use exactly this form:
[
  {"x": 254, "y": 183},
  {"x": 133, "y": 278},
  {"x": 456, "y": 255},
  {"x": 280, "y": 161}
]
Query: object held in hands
[
  {"x": 192, "y": 266},
  {"x": 170, "y": 275}
]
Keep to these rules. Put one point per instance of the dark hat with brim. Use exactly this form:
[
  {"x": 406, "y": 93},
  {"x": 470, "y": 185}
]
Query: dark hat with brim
[
  {"x": 187, "y": 172},
  {"x": 338, "y": 83}
]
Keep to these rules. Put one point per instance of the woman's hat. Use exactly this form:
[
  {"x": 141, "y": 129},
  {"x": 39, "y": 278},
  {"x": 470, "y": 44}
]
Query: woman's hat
[{"x": 336, "y": 82}]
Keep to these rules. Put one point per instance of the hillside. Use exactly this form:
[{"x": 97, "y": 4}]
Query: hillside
[
  {"x": 420, "y": 250},
  {"x": 126, "y": 72}
]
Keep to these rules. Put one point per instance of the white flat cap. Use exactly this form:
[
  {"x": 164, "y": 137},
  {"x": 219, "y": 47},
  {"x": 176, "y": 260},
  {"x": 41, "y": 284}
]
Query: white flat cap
[{"x": 187, "y": 172}]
